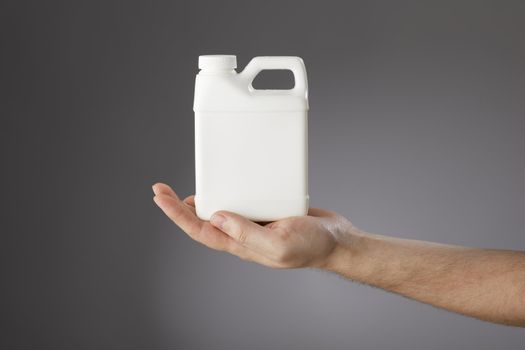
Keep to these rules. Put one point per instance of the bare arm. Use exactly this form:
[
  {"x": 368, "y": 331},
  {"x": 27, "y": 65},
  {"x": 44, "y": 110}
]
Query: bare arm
[{"x": 483, "y": 283}]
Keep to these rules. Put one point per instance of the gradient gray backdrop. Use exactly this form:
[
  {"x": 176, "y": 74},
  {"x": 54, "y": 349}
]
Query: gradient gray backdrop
[{"x": 416, "y": 130}]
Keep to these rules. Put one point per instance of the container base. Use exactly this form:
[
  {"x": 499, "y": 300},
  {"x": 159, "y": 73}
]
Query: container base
[{"x": 255, "y": 210}]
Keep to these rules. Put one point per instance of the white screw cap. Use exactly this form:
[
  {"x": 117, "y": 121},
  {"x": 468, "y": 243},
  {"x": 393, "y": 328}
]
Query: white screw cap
[{"x": 218, "y": 62}]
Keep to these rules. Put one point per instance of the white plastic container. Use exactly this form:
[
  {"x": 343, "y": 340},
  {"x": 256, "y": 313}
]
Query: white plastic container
[{"x": 251, "y": 146}]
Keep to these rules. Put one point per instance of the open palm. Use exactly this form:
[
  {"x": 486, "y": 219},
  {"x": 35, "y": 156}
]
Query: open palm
[{"x": 292, "y": 242}]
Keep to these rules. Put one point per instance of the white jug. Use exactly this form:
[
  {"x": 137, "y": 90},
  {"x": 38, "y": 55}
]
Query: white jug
[{"x": 251, "y": 146}]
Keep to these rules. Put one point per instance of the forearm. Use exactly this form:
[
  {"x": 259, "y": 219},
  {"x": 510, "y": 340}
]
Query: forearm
[{"x": 487, "y": 284}]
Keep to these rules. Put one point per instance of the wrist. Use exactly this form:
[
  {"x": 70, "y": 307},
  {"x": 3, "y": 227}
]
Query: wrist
[{"x": 349, "y": 256}]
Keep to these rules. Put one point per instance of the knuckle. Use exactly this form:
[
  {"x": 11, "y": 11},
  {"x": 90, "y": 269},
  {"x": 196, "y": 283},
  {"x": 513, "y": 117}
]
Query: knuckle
[
  {"x": 242, "y": 235},
  {"x": 285, "y": 236},
  {"x": 285, "y": 255}
]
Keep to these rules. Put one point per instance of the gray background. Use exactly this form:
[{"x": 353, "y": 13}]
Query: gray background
[{"x": 416, "y": 130}]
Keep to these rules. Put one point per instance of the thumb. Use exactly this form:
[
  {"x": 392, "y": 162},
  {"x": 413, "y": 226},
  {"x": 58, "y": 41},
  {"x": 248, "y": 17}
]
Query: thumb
[{"x": 242, "y": 230}]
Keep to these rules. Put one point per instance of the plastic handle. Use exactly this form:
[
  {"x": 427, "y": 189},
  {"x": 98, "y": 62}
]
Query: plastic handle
[{"x": 292, "y": 63}]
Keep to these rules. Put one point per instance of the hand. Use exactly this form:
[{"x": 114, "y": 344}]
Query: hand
[
  {"x": 484, "y": 283},
  {"x": 301, "y": 241}
]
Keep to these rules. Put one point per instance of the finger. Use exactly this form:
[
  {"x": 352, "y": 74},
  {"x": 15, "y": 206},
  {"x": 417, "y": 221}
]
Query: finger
[
  {"x": 204, "y": 232},
  {"x": 198, "y": 230},
  {"x": 192, "y": 209},
  {"x": 179, "y": 213},
  {"x": 252, "y": 241},
  {"x": 190, "y": 200},
  {"x": 243, "y": 231},
  {"x": 214, "y": 238},
  {"x": 270, "y": 225},
  {"x": 190, "y": 203},
  {"x": 318, "y": 212},
  {"x": 235, "y": 248},
  {"x": 160, "y": 188}
]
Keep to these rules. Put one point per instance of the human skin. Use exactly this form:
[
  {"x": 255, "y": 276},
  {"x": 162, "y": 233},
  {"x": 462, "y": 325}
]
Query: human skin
[{"x": 488, "y": 284}]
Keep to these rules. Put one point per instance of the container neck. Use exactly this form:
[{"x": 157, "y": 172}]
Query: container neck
[{"x": 213, "y": 71}]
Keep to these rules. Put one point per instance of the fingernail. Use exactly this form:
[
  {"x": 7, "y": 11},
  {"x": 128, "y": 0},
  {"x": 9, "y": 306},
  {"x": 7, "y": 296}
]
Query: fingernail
[
  {"x": 218, "y": 220},
  {"x": 154, "y": 189}
]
